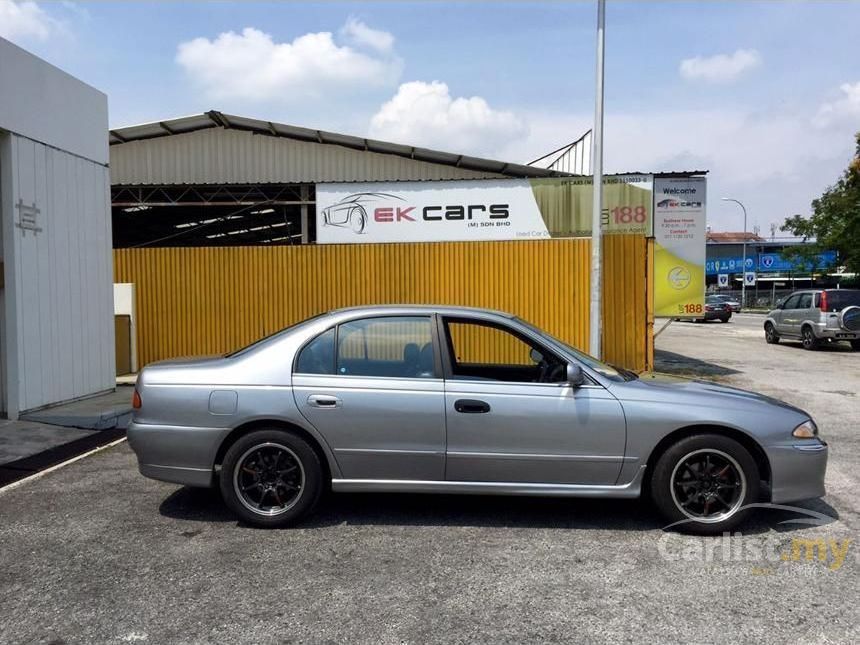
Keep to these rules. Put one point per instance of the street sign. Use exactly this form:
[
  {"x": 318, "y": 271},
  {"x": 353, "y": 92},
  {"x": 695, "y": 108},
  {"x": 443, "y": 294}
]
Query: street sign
[
  {"x": 749, "y": 278},
  {"x": 723, "y": 280}
]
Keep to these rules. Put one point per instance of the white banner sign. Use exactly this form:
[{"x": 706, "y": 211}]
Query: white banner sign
[
  {"x": 679, "y": 246},
  {"x": 418, "y": 211}
]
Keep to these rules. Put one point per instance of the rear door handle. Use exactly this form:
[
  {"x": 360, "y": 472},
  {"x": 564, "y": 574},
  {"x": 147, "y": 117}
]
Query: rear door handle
[
  {"x": 471, "y": 406},
  {"x": 324, "y": 401}
]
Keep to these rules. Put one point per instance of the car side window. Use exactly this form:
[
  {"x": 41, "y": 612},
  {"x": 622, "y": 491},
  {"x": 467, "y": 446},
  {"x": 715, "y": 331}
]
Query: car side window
[
  {"x": 791, "y": 303},
  {"x": 484, "y": 351},
  {"x": 393, "y": 346},
  {"x": 317, "y": 357},
  {"x": 805, "y": 301}
]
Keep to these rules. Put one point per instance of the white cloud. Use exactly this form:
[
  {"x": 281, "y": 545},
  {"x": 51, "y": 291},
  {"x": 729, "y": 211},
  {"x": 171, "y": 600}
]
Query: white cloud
[
  {"x": 772, "y": 161},
  {"x": 252, "y": 67},
  {"x": 722, "y": 68},
  {"x": 843, "y": 110},
  {"x": 425, "y": 114},
  {"x": 359, "y": 34},
  {"x": 24, "y": 20}
]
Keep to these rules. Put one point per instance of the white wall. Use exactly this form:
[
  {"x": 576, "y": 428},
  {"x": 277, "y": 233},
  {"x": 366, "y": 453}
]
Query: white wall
[
  {"x": 41, "y": 102},
  {"x": 62, "y": 278},
  {"x": 57, "y": 305}
]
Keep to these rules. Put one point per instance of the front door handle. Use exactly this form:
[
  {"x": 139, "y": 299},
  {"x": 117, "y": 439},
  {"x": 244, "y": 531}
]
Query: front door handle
[
  {"x": 324, "y": 401},
  {"x": 471, "y": 406}
]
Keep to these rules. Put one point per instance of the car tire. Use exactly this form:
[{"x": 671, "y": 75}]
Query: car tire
[
  {"x": 808, "y": 339},
  {"x": 770, "y": 335},
  {"x": 357, "y": 220},
  {"x": 731, "y": 484},
  {"x": 855, "y": 345},
  {"x": 725, "y": 319},
  {"x": 271, "y": 478}
]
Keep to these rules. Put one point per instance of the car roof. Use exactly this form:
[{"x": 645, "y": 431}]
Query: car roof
[{"x": 452, "y": 310}]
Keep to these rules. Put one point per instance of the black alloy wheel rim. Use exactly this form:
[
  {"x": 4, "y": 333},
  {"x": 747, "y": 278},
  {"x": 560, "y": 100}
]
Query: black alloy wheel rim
[
  {"x": 269, "y": 479},
  {"x": 708, "y": 485}
]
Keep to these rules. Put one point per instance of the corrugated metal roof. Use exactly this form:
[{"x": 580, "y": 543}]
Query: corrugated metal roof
[{"x": 224, "y": 148}]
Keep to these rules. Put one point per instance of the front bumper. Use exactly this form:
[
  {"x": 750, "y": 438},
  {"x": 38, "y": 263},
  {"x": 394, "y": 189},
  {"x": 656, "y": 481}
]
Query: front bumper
[
  {"x": 798, "y": 470},
  {"x": 176, "y": 454}
]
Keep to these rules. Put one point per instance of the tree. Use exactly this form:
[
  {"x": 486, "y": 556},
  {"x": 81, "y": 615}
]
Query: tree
[{"x": 835, "y": 221}]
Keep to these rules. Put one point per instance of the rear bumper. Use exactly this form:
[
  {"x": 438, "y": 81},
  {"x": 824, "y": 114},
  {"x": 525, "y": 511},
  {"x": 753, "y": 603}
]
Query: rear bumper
[
  {"x": 798, "y": 471},
  {"x": 177, "y": 454},
  {"x": 835, "y": 334}
]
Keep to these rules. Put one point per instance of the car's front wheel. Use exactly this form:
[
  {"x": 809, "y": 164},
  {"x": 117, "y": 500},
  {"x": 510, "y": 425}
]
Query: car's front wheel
[
  {"x": 271, "y": 478},
  {"x": 704, "y": 483}
]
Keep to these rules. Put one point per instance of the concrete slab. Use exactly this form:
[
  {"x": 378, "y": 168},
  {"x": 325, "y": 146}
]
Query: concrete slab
[
  {"x": 20, "y": 439},
  {"x": 103, "y": 412}
]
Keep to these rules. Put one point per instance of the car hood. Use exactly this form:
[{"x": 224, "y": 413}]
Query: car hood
[{"x": 664, "y": 388}]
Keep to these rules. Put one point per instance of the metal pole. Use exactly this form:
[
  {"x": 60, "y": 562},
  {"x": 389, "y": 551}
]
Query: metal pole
[
  {"x": 744, "y": 262},
  {"x": 594, "y": 326}
]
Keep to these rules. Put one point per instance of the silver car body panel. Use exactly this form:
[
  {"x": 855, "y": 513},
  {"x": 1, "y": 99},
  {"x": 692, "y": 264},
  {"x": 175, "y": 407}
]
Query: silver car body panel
[{"x": 404, "y": 434}]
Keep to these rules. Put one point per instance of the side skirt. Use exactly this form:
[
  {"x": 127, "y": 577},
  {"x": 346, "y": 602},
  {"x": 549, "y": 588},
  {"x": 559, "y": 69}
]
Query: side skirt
[{"x": 631, "y": 489}]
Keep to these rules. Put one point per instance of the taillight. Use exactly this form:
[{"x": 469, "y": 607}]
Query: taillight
[
  {"x": 823, "y": 301},
  {"x": 135, "y": 401}
]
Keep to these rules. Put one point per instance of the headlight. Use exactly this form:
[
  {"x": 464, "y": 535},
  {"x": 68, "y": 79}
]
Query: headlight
[{"x": 806, "y": 430}]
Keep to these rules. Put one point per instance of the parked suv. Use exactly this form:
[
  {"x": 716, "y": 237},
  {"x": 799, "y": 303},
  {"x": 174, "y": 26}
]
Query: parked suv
[{"x": 815, "y": 317}]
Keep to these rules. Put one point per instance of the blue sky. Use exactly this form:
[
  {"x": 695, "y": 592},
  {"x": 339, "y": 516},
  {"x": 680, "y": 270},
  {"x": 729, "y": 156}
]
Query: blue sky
[{"x": 764, "y": 95}]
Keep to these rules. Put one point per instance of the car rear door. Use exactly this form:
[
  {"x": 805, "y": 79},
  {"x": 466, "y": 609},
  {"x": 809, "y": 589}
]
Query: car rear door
[
  {"x": 794, "y": 317},
  {"x": 511, "y": 419},
  {"x": 373, "y": 389},
  {"x": 785, "y": 316}
]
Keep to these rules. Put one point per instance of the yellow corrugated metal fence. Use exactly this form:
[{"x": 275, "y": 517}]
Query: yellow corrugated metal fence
[{"x": 212, "y": 300}]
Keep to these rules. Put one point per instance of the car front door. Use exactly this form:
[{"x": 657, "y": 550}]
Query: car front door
[
  {"x": 512, "y": 417},
  {"x": 373, "y": 388}
]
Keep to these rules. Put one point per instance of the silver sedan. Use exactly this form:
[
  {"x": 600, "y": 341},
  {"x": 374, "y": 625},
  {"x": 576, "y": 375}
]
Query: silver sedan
[{"x": 436, "y": 399}]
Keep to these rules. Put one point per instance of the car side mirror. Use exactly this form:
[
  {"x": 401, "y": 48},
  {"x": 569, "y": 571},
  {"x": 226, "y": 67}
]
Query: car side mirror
[
  {"x": 575, "y": 377},
  {"x": 535, "y": 356}
]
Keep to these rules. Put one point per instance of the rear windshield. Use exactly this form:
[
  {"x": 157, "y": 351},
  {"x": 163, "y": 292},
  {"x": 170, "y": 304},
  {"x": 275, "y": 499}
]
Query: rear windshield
[{"x": 841, "y": 298}]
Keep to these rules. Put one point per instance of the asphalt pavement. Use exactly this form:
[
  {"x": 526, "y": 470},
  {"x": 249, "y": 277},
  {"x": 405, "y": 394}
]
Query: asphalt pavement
[{"x": 93, "y": 552}]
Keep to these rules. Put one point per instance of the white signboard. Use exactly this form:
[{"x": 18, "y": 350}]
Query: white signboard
[
  {"x": 679, "y": 246},
  {"x": 417, "y": 211},
  {"x": 722, "y": 279},
  {"x": 749, "y": 278}
]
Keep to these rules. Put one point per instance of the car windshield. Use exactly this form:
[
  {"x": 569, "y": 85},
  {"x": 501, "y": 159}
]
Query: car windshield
[{"x": 611, "y": 372}]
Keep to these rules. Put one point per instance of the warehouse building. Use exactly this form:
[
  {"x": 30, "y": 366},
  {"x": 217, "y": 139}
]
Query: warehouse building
[
  {"x": 56, "y": 327},
  {"x": 217, "y": 179},
  {"x": 227, "y": 228}
]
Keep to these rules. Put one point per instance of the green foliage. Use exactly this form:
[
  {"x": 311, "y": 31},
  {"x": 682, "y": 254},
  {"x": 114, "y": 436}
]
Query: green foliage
[{"x": 835, "y": 221}]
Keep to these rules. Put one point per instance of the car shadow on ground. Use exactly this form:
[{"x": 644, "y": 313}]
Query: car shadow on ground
[
  {"x": 383, "y": 509},
  {"x": 674, "y": 363}
]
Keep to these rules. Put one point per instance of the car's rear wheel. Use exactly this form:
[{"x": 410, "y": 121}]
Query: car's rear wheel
[
  {"x": 703, "y": 484},
  {"x": 770, "y": 335},
  {"x": 808, "y": 339},
  {"x": 271, "y": 478},
  {"x": 855, "y": 345}
]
